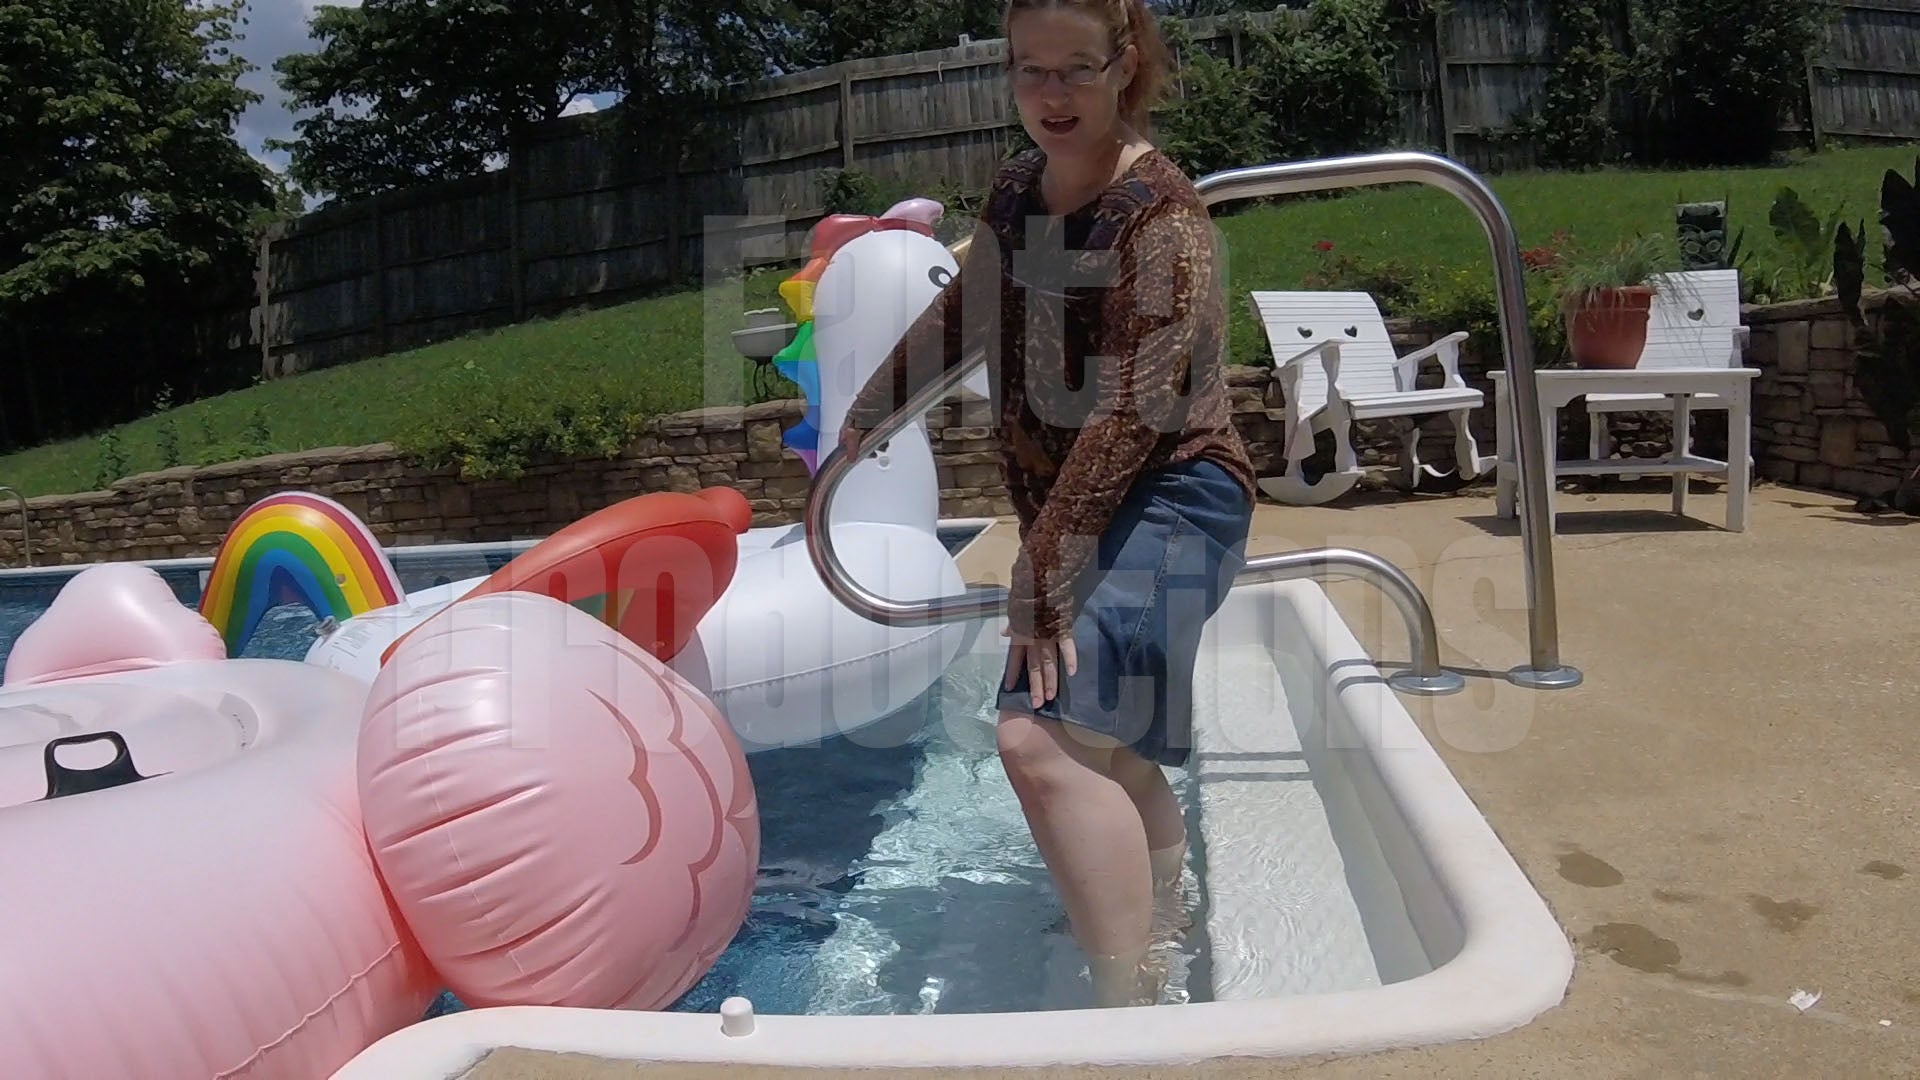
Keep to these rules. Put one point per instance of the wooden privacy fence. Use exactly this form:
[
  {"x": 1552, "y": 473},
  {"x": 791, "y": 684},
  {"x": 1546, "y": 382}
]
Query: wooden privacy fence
[{"x": 583, "y": 214}]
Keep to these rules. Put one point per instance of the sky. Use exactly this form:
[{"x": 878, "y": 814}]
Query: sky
[{"x": 276, "y": 28}]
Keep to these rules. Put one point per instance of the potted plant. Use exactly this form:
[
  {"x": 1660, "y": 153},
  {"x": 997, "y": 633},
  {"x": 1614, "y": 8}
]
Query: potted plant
[{"x": 1606, "y": 297}]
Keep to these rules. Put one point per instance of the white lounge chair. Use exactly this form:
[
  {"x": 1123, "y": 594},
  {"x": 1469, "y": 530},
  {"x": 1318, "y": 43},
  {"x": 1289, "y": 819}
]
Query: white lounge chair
[
  {"x": 1339, "y": 340},
  {"x": 1695, "y": 323}
]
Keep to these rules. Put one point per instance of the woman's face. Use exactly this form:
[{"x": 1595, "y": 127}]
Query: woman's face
[{"x": 1067, "y": 79}]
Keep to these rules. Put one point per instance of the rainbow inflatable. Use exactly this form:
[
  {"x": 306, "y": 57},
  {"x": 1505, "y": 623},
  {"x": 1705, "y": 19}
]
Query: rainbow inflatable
[
  {"x": 797, "y": 361},
  {"x": 295, "y": 546}
]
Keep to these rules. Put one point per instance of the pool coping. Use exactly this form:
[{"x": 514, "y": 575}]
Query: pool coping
[{"x": 1514, "y": 961}]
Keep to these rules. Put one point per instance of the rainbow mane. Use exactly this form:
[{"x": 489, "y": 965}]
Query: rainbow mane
[
  {"x": 797, "y": 361},
  {"x": 295, "y": 546}
]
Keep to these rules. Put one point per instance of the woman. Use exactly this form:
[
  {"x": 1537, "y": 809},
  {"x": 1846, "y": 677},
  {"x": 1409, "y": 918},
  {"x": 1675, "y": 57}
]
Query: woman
[{"x": 1091, "y": 285}]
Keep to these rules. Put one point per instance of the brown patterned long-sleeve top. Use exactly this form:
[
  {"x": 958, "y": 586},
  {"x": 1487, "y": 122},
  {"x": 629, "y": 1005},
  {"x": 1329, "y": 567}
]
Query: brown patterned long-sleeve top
[{"x": 1105, "y": 333}]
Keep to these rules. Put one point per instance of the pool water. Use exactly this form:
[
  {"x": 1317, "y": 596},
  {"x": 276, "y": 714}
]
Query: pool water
[{"x": 897, "y": 872}]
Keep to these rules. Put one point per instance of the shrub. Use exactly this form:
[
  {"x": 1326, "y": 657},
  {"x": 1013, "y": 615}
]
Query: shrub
[
  {"x": 255, "y": 440},
  {"x": 1455, "y": 299},
  {"x": 1887, "y": 349},
  {"x": 1328, "y": 84},
  {"x": 1573, "y": 124},
  {"x": 1391, "y": 284},
  {"x": 1719, "y": 75},
  {"x": 1217, "y": 121},
  {"x": 507, "y": 425}
]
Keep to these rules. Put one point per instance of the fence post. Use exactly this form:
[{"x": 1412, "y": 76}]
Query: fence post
[
  {"x": 377, "y": 212},
  {"x": 1813, "y": 104},
  {"x": 846, "y": 119},
  {"x": 1440, "y": 103},
  {"x": 262, "y": 312},
  {"x": 516, "y": 266}
]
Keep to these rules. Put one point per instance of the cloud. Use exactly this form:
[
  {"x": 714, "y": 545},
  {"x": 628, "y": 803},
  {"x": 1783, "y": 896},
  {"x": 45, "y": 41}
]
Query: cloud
[{"x": 275, "y": 28}]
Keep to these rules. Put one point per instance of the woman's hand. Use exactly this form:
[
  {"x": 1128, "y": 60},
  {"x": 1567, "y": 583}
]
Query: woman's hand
[
  {"x": 1043, "y": 659},
  {"x": 850, "y": 439}
]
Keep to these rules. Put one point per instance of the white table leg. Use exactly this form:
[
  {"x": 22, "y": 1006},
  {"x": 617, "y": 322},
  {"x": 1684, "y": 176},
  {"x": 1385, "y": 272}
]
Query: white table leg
[
  {"x": 1550, "y": 443},
  {"x": 1505, "y": 478},
  {"x": 1739, "y": 453},
  {"x": 1682, "y": 445}
]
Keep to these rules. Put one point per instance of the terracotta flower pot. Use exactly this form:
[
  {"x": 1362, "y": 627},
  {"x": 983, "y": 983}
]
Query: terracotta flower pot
[{"x": 1607, "y": 328}]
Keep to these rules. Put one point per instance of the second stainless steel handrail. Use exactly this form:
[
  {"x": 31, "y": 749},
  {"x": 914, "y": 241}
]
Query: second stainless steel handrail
[
  {"x": 1545, "y": 669},
  {"x": 26, "y": 525},
  {"x": 1427, "y": 676}
]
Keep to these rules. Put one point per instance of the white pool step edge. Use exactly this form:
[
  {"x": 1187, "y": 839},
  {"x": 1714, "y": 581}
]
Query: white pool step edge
[{"x": 1513, "y": 960}]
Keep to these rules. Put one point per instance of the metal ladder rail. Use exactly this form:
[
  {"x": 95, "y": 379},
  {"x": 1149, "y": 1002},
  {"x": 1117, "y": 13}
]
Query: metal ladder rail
[
  {"x": 1427, "y": 676},
  {"x": 26, "y": 525},
  {"x": 1544, "y": 669}
]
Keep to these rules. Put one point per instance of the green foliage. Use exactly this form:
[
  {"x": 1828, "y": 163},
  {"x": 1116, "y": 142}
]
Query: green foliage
[
  {"x": 1805, "y": 243},
  {"x": 125, "y": 205},
  {"x": 509, "y": 424},
  {"x": 1318, "y": 85},
  {"x": 1644, "y": 259},
  {"x": 1445, "y": 298},
  {"x": 1328, "y": 87},
  {"x": 1573, "y": 125},
  {"x": 1887, "y": 349},
  {"x": 1718, "y": 76},
  {"x": 169, "y": 438},
  {"x": 1217, "y": 122},
  {"x": 113, "y": 460},
  {"x": 252, "y": 441},
  {"x": 1392, "y": 284},
  {"x": 822, "y": 32},
  {"x": 404, "y": 92},
  {"x": 409, "y": 91},
  {"x": 855, "y": 191}
]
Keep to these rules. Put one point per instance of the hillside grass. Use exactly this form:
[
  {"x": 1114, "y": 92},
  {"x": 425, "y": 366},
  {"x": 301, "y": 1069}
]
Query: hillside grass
[{"x": 651, "y": 356}]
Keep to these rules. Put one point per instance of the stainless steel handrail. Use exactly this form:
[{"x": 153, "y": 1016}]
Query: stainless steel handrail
[
  {"x": 26, "y": 525},
  {"x": 1545, "y": 669},
  {"x": 1423, "y": 641},
  {"x": 1427, "y": 676}
]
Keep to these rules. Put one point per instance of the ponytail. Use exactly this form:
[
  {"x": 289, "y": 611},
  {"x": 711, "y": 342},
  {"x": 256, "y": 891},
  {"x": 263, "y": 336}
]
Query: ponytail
[{"x": 1150, "y": 74}]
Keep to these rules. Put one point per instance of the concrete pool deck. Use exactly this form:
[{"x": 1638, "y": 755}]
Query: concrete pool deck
[{"x": 1725, "y": 812}]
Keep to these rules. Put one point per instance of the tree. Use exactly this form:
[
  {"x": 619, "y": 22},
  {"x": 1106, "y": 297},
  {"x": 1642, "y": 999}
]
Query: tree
[
  {"x": 834, "y": 30},
  {"x": 125, "y": 204},
  {"x": 404, "y": 92},
  {"x": 1719, "y": 75}
]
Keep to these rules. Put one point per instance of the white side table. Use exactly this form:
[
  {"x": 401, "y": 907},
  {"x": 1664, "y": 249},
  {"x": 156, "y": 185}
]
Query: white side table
[{"x": 1560, "y": 386}]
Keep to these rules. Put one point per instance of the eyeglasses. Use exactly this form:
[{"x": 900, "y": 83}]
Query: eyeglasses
[{"x": 1033, "y": 77}]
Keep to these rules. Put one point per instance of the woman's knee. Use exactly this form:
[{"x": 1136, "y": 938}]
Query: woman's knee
[{"x": 1040, "y": 753}]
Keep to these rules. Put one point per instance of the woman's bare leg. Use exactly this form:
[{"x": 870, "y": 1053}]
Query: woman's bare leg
[
  {"x": 1160, "y": 815},
  {"x": 1166, "y": 831},
  {"x": 1094, "y": 842}
]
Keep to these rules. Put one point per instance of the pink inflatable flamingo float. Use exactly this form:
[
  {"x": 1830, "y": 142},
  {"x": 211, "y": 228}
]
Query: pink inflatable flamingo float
[{"x": 222, "y": 867}]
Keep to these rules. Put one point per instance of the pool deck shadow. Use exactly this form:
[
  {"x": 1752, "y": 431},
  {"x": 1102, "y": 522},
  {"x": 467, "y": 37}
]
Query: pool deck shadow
[{"x": 1725, "y": 812}]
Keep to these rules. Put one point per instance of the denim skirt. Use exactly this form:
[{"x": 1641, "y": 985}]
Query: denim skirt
[{"x": 1163, "y": 567}]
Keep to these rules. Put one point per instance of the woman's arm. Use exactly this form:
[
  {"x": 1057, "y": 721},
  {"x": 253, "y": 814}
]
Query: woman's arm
[{"x": 1153, "y": 320}]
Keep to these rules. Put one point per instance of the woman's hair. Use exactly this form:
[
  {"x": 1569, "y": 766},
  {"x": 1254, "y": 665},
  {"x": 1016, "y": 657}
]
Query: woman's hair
[{"x": 1128, "y": 22}]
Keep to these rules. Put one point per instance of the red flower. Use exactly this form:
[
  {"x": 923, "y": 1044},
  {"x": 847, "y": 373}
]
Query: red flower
[{"x": 1324, "y": 245}]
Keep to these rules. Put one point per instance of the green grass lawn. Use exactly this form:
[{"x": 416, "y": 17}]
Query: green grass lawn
[{"x": 650, "y": 353}]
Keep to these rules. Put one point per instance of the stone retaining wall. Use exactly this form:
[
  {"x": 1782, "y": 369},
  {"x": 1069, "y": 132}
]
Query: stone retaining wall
[
  {"x": 187, "y": 511},
  {"x": 1810, "y": 428},
  {"x": 1810, "y": 425}
]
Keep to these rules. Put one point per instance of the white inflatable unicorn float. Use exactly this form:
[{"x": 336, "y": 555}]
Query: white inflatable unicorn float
[{"x": 784, "y": 661}]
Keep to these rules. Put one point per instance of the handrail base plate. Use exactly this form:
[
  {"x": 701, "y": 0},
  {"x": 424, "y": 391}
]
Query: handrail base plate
[{"x": 1560, "y": 678}]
